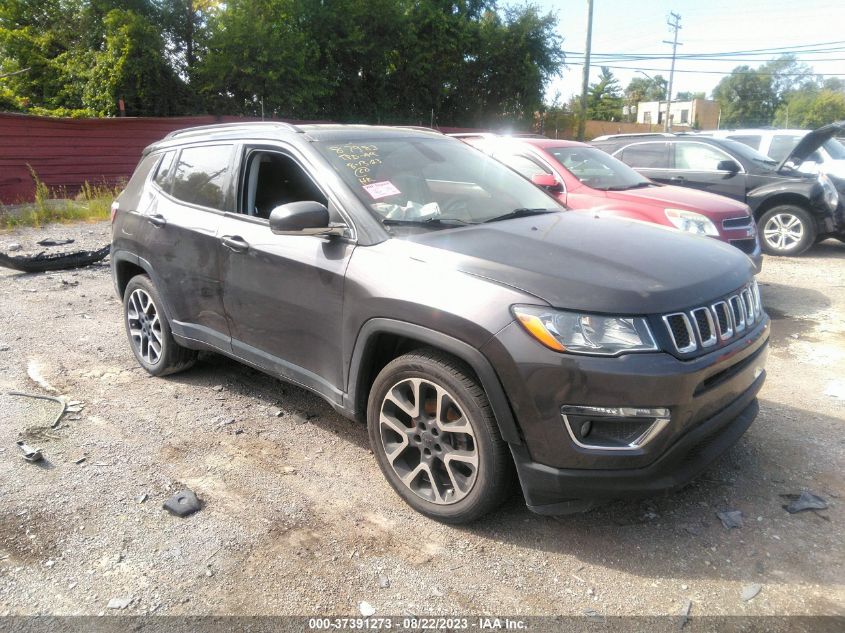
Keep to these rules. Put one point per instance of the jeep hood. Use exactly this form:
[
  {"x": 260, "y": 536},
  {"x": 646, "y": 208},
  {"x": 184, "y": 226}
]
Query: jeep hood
[
  {"x": 811, "y": 142},
  {"x": 599, "y": 264}
]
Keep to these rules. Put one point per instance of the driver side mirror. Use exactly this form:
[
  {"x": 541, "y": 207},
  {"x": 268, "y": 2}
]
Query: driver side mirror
[
  {"x": 727, "y": 165},
  {"x": 306, "y": 217},
  {"x": 547, "y": 182}
]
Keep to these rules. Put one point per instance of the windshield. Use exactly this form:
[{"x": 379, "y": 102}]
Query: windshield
[
  {"x": 835, "y": 149},
  {"x": 597, "y": 169},
  {"x": 434, "y": 182}
]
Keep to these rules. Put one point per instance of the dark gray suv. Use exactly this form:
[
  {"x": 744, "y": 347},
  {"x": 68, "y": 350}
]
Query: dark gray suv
[{"x": 416, "y": 284}]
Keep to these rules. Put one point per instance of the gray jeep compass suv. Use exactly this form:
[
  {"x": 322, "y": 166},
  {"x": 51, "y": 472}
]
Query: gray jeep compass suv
[{"x": 476, "y": 326}]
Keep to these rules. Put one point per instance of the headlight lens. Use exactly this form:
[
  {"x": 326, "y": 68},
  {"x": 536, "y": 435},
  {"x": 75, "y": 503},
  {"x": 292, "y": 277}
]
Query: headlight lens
[
  {"x": 581, "y": 333},
  {"x": 691, "y": 222},
  {"x": 831, "y": 195}
]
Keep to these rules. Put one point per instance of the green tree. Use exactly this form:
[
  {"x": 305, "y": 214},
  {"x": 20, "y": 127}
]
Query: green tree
[
  {"x": 604, "y": 98},
  {"x": 258, "y": 59},
  {"x": 811, "y": 109},
  {"x": 746, "y": 98},
  {"x": 646, "y": 89},
  {"x": 689, "y": 96},
  {"x": 131, "y": 66}
]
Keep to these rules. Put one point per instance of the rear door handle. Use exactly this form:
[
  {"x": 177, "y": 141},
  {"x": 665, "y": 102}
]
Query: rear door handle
[
  {"x": 157, "y": 219},
  {"x": 677, "y": 179},
  {"x": 235, "y": 243}
]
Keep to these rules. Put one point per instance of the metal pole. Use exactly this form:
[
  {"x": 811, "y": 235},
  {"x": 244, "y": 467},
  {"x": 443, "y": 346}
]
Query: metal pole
[
  {"x": 585, "y": 79},
  {"x": 676, "y": 25}
]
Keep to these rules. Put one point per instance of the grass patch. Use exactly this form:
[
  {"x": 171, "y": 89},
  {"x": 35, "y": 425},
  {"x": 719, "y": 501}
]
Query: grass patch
[{"x": 91, "y": 204}]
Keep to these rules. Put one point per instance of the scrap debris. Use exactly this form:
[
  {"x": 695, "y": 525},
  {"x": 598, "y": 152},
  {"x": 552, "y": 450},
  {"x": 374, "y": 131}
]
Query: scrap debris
[
  {"x": 56, "y": 261},
  {"x": 730, "y": 518},
  {"x": 62, "y": 410},
  {"x": 30, "y": 454},
  {"x": 51, "y": 242},
  {"x": 183, "y": 503},
  {"x": 749, "y": 592},
  {"x": 805, "y": 501}
]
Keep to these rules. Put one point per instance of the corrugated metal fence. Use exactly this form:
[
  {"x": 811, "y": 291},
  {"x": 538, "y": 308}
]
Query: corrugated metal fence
[{"x": 66, "y": 153}]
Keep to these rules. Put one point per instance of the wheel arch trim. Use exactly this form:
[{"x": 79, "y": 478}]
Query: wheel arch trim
[
  {"x": 126, "y": 256},
  {"x": 463, "y": 351}
]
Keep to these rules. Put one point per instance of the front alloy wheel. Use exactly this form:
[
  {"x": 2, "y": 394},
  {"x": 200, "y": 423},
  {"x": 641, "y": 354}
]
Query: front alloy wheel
[
  {"x": 787, "y": 230},
  {"x": 436, "y": 439},
  {"x": 428, "y": 441}
]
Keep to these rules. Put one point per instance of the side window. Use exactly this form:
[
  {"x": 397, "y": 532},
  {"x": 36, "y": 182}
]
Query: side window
[
  {"x": 201, "y": 176},
  {"x": 698, "y": 157},
  {"x": 272, "y": 179},
  {"x": 781, "y": 145},
  {"x": 647, "y": 155},
  {"x": 522, "y": 164},
  {"x": 162, "y": 177},
  {"x": 752, "y": 140}
]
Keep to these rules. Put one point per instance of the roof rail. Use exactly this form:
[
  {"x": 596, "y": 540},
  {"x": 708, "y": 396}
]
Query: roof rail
[{"x": 199, "y": 129}]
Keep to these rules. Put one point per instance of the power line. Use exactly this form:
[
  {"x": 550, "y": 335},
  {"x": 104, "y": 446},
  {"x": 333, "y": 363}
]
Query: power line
[
  {"x": 638, "y": 58},
  {"x": 721, "y": 72},
  {"x": 780, "y": 49}
]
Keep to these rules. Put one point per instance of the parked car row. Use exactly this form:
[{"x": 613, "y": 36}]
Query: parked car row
[
  {"x": 584, "y": 178},
  {"x": 484, "y": 333},
  {"x": 793, "y": 209}
]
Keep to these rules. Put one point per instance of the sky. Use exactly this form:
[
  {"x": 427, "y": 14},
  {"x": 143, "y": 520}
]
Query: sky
[{"x": 707, "y": 26}]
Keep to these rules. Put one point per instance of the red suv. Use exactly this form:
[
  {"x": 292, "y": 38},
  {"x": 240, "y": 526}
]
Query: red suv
[{"x": 585, "y": 178}]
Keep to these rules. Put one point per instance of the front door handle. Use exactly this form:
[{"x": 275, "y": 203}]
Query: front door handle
[
  {"x": 157, "y": 219},
  {"x": 235, "y": 243},
  {"x": 677, "y": 179}
]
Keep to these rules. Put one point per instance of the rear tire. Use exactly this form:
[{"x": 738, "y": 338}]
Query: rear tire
[
  {"x": 149, "y": 331},
  {"x": 786, "y": 229},
  {"x": 435, "y": 438}
]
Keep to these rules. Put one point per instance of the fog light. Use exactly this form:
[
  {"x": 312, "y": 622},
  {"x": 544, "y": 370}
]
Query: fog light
[{"x": 614, "y": 428}]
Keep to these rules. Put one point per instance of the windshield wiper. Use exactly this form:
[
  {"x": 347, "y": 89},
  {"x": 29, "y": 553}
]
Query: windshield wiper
[
  {"x": 518, "y": 213},
  {"x": 638, "y": 185},
  {"x": 437, "y": 222}
]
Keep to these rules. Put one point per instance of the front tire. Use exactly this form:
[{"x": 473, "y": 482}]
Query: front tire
[
  {"x": 786, "y": 230},
  {"x": 149, "y": 332},
  {"x": 435, "y": 438}
]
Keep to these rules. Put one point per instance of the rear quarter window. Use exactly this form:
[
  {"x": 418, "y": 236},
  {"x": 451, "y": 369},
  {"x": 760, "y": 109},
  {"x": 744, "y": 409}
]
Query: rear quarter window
[
  {"x": 164, "y": 169},
  {"x": 647, "y": 155},
  {"x": 201, "y": 176}
]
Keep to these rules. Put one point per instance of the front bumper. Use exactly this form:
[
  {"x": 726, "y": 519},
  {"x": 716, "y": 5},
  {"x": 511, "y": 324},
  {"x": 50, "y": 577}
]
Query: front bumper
[
  {"x": 711, "y": 399},
  {"x": 551, "y": 490}
]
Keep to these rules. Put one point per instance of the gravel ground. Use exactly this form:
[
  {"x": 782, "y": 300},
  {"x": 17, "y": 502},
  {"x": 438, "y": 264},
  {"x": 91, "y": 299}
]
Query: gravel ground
[{"x": 297, "y": 518}]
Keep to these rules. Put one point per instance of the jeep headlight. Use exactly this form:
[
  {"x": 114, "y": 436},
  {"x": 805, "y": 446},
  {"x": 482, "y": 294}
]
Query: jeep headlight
[
  {"x": 691, "y": 222},
  {"x": 581, "y": 333},
  {"x": 829, "y": 192}
]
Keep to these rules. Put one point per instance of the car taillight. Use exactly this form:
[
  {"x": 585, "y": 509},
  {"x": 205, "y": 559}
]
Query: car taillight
[{"x": 114, "y": 207}]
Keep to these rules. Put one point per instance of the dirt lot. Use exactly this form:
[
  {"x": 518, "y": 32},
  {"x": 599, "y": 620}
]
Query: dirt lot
[{"x": 297, "y": 517}]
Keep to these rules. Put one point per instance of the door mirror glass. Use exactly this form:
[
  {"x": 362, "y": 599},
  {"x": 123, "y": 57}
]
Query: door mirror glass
[
  {"x": 728, "y": 165},
  {"x": 306, "y": 217},
  {"x": 546, "y": 181}
]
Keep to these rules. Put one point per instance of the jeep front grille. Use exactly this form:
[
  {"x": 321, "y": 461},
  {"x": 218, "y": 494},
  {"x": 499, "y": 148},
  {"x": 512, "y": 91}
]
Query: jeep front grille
[{"x": 706, "y": 326}]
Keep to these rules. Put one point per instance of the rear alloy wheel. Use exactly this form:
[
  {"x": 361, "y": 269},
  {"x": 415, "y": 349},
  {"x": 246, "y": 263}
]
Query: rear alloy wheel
[
  {"x": 435, "y": 437},
  {"x": 787, "y": 230},
  {"x": 149, "y": 332}
]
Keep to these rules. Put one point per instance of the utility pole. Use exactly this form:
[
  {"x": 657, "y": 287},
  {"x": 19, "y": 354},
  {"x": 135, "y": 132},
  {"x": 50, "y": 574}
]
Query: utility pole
[
  {"x": 675, "y": 24},
  {"x": 585, "y": 79}
]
